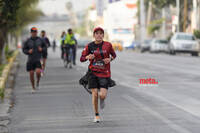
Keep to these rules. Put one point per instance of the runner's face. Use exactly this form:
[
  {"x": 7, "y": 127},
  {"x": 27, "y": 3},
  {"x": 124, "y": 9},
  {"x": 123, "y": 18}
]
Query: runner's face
[
  {"x": 70, "y": 32},
  {"x": 98, "y": 36},
  {"x": 34, "y": 33},
  {"x": 42, "y": 34}
]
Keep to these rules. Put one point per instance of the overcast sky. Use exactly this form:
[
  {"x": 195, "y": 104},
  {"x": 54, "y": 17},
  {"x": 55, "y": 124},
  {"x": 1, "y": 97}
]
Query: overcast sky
[{"x": 50, "y": 7}]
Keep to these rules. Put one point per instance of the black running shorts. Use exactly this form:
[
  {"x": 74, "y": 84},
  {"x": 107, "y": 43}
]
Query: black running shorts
[
  {"x": 44, "y": 55},
  {"x": 98, "y": 82},
  {"x": 32, "y": 65}
]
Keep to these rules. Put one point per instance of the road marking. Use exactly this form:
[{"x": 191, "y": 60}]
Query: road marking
[
  {"x": 156, "y": 114},
  {"x": 191, "y": 106}
]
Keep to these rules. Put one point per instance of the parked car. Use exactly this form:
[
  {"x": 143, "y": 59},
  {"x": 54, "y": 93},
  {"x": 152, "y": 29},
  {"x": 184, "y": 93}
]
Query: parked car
[
  {"x": 133, "y": 45},
  {"x": 184, "y": 43},
  {"x": 158, "y": 45},
  {"x": 145, "y": 46}
]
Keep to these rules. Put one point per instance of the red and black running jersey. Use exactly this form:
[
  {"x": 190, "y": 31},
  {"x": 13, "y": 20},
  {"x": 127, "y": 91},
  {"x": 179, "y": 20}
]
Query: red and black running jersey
[{"x": 97, "y": 65}]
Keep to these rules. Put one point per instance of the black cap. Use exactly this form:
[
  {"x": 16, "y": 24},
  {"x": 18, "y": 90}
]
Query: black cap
[{"x": 33, "y": 29}]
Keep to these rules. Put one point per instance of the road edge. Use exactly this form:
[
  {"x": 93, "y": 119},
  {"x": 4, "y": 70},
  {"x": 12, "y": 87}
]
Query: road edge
[{"x": 6, "y": 87}]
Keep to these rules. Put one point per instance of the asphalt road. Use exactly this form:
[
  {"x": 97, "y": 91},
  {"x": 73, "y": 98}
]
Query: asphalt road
[{"x": 63, "y": 106}]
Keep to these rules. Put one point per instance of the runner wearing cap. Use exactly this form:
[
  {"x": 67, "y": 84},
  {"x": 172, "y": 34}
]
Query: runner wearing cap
[
  {"x": 45, "y": 53},
  {"x": 100, "y": 53},
  {"x": 34, "y": 47}
]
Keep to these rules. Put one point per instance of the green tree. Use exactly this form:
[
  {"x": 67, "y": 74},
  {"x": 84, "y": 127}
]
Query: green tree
[
  {"x": 197, "y": 33},
  {"x": 8, "y": 16},
  {"x": 154, "y": 26},
  {"x": 14, "y": 15},
  {"x": 163, "y": 3},
  {"x": 189, "y": 9}
]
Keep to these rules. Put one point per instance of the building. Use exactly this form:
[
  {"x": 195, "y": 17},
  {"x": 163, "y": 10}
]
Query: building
[{"x": 120, "y": 18}]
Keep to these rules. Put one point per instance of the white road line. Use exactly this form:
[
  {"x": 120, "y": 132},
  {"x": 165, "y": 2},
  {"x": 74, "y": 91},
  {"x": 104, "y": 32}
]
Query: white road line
[
  {"x": 156, "y": 114},
  {"x": 191, "y": 106}
]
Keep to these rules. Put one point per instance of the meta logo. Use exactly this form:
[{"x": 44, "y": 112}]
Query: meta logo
[{"x": 148, "y": 81}]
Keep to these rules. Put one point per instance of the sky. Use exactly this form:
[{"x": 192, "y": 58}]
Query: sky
[{"x": 50, "y": 7}]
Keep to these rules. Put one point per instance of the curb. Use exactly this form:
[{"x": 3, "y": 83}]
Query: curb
[
  {"x": 6, "y": 103},
  {"x": 6, "y": 71}
]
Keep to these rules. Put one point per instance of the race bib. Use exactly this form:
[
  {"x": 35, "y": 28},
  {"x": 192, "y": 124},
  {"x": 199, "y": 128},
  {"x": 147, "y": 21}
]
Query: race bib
[{"x": 99, "y": 64}]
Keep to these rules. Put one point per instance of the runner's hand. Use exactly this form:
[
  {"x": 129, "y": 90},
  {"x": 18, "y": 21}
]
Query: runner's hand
[
  {"x": 30, "y": 51},
  {"x": 39, "y": 49},
  {"x": 90, "y": 56},
  {"x": 107, "y": 60}
]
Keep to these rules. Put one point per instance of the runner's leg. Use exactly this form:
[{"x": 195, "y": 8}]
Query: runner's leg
[
  {"x": 95, "y": 104},
  {"x": 74, "y": 55},
  {"x": 95, "y": 100},
  {"x": 38, "y": 73},
  {"x": 31, "y": 72},
  {"x": 44, "y": 64},
  {"x": 102, "y": 94}
]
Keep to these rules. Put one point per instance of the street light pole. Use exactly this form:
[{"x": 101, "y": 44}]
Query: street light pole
[{"x": 142, "y": 21}]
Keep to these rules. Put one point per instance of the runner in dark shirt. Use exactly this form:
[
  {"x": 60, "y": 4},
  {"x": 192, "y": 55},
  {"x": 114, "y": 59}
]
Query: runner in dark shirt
[
  {"x": 34, "y": 47},
  {"x": 45, "y": 53}
]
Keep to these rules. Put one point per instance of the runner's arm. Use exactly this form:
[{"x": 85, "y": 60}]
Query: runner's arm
[
  {"x": 84, "y": 54},
  {"x": 112, "y": 52},
  {"x": 26, "y": 48},
  {"x": 48, "y": 42},
  {"x": 44, "y": 46}
]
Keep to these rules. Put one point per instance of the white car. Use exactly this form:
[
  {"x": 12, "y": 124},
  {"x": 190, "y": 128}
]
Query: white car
[
  {"x": 145, "y": 46},
  {"x": 185, "y": 43},
  {"x": 158, "y": 45}
]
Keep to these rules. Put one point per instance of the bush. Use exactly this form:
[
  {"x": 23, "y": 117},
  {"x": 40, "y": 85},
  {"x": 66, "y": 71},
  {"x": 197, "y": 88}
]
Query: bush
[
  {"x": 1, "y": 68},
  {"x": 2, "y": 93},
  {"x": 197, "y": 33},
  {"x": 1, "y": 89},
  {"x": 8, "y": 52}
]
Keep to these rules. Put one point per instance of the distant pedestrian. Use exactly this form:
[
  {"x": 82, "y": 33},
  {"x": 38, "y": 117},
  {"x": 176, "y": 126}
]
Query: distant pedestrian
[
  {"x": 45, "y": 53},
  {"x": 71, "y": 43},
  {"x": 62, "y": 44},
  {"x": 54, "y": 45}
]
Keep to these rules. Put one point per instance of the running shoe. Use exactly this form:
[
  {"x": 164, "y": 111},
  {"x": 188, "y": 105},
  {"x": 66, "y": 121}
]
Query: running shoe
[
  {"x": 37, "y": 86},
  {"x": 33, "y": 91},
  {"x": 70, "y": 66},
  {"x": 96, "y": 119}
]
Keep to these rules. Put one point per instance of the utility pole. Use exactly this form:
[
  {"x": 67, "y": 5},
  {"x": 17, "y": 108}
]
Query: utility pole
[
  {"x": 142, "y": 22},
  {"x": 100, "y": 9},
  {"x": 198, "y": 14},
  {"x": 163, "y": 23},
  {"x": 194, "y": 19},
  {"x": 185, "y": 15},
  {"x": 149, "y": 13},
  {"x": 178, "y": 14}
]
